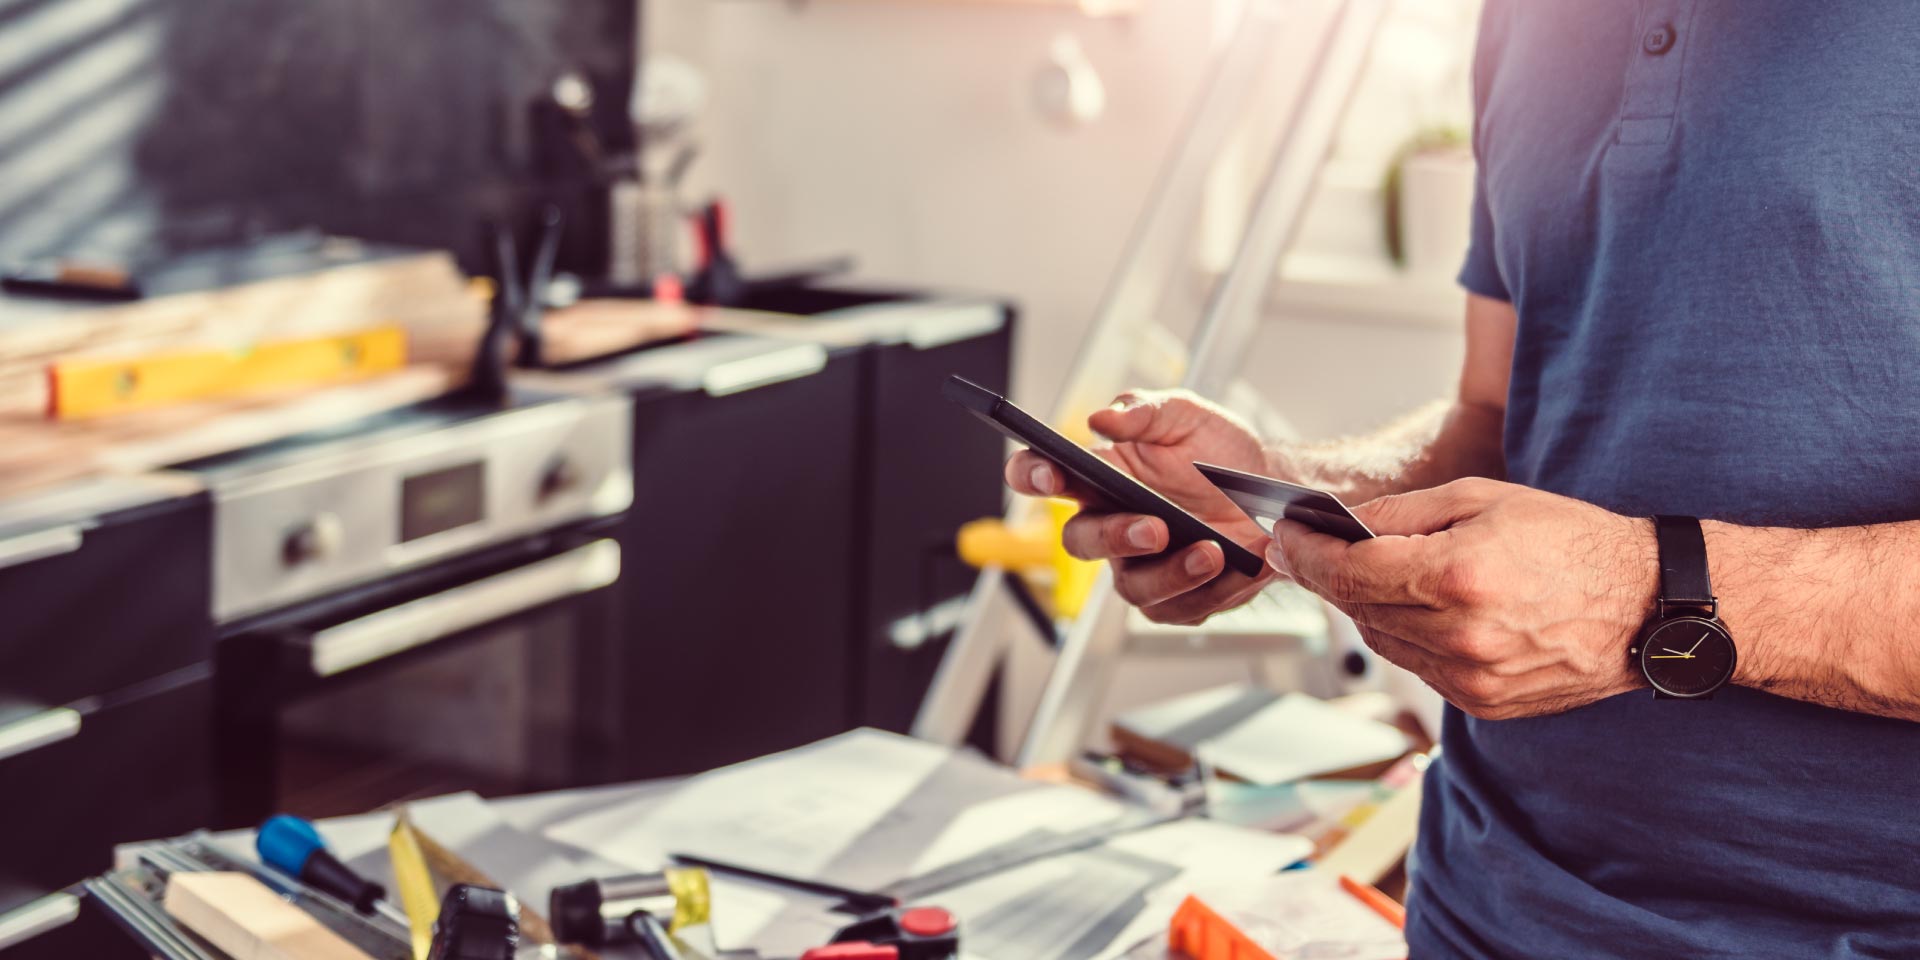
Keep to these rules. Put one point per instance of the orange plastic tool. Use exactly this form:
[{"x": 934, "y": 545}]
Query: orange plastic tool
[{"x": 1202, "y": 934}]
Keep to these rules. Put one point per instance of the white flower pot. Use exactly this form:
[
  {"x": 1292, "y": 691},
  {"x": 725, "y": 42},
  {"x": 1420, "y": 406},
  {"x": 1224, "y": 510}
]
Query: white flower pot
[{"x": 1436, "y": 209}]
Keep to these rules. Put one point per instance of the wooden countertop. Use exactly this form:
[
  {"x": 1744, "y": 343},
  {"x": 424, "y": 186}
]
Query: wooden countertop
[{"x": 425, "y": 294}]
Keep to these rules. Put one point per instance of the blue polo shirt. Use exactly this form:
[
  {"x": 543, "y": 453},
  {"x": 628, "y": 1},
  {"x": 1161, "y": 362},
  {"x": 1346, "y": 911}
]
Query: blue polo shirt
[{"x": 1707, "y": 215}]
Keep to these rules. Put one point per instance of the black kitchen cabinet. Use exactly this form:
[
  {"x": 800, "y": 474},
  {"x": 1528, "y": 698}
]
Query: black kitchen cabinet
[
  {"x": 135, "y": 770},
  {"x": 924, "y": 468},
  {"x": 930, "y": 469},
  {"x": 105, "y": 690},
  {"x": 104, "y": 594},
  {"x": 85, "y": 931},
  {"x": 736, "y": 551}
]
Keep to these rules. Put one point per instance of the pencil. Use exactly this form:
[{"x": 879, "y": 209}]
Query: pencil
[
  {"x": 1376, "y": 901},
  {"x": 858, "y": 900}
]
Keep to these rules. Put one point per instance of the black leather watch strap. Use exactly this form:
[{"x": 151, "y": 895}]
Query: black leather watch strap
[{"x": 1683, "y": 562}]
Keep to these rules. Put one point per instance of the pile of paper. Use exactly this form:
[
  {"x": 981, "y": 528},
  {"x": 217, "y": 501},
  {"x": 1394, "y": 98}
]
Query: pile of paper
[
  {"x": 1258, "y": 736},
  {"x": 862, "y": 810},
  {"x": 865, "y": 810}
]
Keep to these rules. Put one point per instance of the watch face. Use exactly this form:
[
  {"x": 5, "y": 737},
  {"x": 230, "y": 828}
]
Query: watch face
[{"x": 1687, "y": 656}]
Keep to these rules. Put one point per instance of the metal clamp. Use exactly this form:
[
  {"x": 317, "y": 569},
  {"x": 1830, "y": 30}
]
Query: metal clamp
[
  {"x": 142, "y": 919},
  {"x": 912, "y": 631},
  {"x": 42, "y": 916},
  {"x": 416, "y": 623},
  {"x": 39, "y": 545},
  {"x": 28, "y": 734}
]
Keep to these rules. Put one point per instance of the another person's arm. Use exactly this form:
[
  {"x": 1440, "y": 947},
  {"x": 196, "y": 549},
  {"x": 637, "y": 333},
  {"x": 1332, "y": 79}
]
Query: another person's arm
[
  {"x": 1156, "y": 436},
  {"x": 1443, "y": 441}
]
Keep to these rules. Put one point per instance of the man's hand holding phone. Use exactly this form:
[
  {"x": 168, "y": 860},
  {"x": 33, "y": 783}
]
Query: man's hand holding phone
[{"x": 1157, "y": 436}]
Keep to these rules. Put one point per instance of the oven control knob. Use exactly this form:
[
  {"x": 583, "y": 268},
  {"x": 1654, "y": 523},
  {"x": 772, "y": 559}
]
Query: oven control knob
[
  {"x": 560, "y": 477},
  {"x": 317, "y": 539}
]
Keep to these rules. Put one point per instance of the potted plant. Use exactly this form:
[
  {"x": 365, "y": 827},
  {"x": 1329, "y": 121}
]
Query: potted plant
[{"x": 1429, "y": 201}]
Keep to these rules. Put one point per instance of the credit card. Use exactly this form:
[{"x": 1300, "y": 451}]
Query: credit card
[{"x": 1266, "y": 500}]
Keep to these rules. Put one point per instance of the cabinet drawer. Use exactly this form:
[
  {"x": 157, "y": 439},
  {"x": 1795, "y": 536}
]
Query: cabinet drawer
[
  {"x": 97, "y": 607},
  {"x": 133, "y": 771}
]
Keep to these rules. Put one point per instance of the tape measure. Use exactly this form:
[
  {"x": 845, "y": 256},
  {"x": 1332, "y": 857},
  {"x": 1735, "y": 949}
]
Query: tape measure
[
  {"x": 410, "y": 874},
  {"x": 422, "y": 866}
]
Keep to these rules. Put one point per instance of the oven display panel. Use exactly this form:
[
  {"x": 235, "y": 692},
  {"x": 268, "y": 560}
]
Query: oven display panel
[{"x": 441, "y": 500}]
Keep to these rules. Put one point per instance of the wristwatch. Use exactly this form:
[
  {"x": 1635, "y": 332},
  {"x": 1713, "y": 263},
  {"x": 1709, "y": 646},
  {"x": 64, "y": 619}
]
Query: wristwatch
[{"x": 1685, "y": 652}]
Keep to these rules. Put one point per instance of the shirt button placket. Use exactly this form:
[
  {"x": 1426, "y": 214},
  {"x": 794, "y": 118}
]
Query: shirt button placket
[{"x": 1652, "y": 90}]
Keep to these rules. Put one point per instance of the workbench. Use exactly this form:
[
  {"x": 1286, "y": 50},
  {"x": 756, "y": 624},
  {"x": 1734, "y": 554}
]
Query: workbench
[
  {"x": 799, "y": 845},
  {"x": 854, "y": 451},
  {"x": 530, "y": 814}
]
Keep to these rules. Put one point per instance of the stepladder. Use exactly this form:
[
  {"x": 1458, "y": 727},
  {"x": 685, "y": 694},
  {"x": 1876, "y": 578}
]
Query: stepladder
[{"x": 1284, "y": 111}]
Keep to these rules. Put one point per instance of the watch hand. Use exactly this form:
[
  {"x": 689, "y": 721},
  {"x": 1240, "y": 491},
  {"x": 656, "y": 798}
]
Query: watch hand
[
  {"x": 1697, "y": 643},
  {"x": 1688, "y": 654},
  {"x": 1676, "y": 656}
]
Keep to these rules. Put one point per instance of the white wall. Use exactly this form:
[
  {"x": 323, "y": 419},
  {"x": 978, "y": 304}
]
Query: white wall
[{"x": 903, "y": 132}]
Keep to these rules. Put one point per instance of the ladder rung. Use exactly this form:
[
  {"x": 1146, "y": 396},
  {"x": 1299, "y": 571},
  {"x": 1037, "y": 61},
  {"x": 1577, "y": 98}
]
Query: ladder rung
[{"x": 1284, "y": 619}]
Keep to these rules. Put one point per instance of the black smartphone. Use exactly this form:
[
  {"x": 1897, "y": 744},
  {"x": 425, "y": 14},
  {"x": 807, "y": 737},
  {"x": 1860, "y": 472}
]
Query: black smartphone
[
  {"x": 1267, "y": 499},
  {"x": 1125, "y": 492}
]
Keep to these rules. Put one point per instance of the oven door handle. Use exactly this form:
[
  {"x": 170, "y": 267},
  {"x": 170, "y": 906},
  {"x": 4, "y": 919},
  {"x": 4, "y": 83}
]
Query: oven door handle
[
  {"x": 36, "y": 917},
  {"x": 397, "y": 629}
]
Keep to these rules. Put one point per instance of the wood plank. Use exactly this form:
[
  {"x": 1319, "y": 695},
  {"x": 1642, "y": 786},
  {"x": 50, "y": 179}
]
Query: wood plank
[
  {"x": 246, "y": 920},
  {"x": 36, "y": 452},
  {"x": 426, "y": 295},
  {"x": 602, "y": 327}
]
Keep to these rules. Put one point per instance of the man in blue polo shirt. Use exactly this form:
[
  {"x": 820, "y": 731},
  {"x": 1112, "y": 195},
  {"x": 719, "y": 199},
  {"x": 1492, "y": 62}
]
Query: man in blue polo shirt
[{"x": 1694, "y": 293}]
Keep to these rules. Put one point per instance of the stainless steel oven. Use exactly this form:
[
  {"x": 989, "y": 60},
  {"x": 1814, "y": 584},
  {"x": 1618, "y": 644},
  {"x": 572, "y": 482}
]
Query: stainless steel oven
[{"x": 418, "y": 602}]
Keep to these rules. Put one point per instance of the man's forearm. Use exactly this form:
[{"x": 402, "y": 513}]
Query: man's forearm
[
  {"x": 1440, "y": 442},
  {"x": 1827, "y": 616}
]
